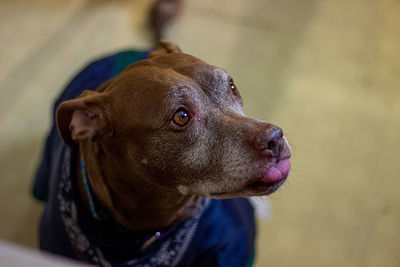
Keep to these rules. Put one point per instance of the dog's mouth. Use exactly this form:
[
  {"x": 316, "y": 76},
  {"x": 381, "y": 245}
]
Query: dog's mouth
[
  {"x": 272, "y": 179},
  {"x": 263, "y": 185}
]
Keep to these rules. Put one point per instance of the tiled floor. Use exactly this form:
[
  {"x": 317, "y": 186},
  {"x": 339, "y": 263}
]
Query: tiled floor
[{"x": 328, "y": 72}]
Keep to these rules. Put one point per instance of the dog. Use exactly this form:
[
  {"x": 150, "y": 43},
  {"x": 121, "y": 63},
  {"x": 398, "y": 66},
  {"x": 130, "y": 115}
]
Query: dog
[{"x": 152, "y": 165}]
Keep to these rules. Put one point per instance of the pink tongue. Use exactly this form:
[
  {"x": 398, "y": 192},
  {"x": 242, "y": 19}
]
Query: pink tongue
[{"x": 277, "y": 172}]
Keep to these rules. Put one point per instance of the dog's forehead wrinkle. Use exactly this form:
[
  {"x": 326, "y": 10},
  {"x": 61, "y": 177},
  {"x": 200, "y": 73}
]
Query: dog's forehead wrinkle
[
  {"x": 182, "y": 84},
  {"x": 182, "y": 89},
  {"x": 213, "y": 80},
  {"x": 184, "y": 94},
  {"x": 154, "y": 76}
]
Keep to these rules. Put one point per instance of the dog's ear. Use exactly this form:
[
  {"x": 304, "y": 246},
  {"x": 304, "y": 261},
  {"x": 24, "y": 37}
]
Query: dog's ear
[
  {"x": 165, "y": 47},
  {"x": 83, "y": 118}
]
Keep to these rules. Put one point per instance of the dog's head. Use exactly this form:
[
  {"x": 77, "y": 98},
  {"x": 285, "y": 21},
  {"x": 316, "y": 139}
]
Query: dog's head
[{"x": 177, "y": 123}]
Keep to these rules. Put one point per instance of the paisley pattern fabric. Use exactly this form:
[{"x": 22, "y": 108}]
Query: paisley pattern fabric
[{"x": 169, "y": 254}]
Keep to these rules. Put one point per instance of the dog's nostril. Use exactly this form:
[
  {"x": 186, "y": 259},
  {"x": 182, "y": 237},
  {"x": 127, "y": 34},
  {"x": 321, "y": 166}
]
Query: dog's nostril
[
  {"x": 269, "y": 141},
  {"x": 271, "y": 145}
]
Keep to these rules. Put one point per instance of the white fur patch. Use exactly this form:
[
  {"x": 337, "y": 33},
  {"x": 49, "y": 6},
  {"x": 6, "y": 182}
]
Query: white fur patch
[
  {"x": 261, "y": 206},
  {"x": 183, "y": 189}
]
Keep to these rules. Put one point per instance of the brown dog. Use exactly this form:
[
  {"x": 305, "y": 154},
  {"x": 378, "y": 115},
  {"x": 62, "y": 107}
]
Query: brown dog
[{"x": 164, "y": 135}]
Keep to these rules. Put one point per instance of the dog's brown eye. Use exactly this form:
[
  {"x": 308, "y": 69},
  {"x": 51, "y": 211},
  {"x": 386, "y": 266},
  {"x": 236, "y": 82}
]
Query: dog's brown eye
[
  {"x": 181, "y": 117},
  {"x": 233, "y": 87}
]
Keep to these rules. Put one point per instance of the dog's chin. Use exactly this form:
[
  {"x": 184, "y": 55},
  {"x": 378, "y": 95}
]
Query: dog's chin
[{"x": 258, "y": 188}]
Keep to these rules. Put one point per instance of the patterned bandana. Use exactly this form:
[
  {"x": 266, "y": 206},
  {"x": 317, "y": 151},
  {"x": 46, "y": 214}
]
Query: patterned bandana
[{"x": 170, "y": 249}]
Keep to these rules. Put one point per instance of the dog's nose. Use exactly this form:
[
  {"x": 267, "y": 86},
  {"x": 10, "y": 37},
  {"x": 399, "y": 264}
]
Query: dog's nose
[{"x": 269, "y": 141}]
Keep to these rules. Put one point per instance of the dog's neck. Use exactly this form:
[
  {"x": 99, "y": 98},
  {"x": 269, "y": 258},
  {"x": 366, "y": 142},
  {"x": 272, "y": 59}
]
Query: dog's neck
[{"x": 133, "y": 202}]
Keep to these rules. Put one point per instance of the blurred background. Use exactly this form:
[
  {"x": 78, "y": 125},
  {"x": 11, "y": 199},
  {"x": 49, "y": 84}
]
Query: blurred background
[{"x": 327, "y": 72}]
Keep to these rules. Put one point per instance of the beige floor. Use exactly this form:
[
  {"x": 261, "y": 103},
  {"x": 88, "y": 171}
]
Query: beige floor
[{"x": 327, "y": 71}]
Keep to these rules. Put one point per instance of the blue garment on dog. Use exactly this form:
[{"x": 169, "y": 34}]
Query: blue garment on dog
[{"x": 220, "y": 233}]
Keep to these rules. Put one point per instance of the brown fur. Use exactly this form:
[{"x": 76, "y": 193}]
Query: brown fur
[{"x": 151, "y": 173}]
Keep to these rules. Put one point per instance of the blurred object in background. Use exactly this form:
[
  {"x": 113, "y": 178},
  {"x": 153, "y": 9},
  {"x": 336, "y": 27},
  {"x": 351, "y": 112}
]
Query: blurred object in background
[
  {"x": 14, "y": 255},
  {"x": 161, "y": 14}
]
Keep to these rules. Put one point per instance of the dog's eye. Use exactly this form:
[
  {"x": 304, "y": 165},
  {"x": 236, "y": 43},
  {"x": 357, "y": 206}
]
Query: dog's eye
[
  {"x": 181, "y": 117},
  {"x": 233, "y": 87}
]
